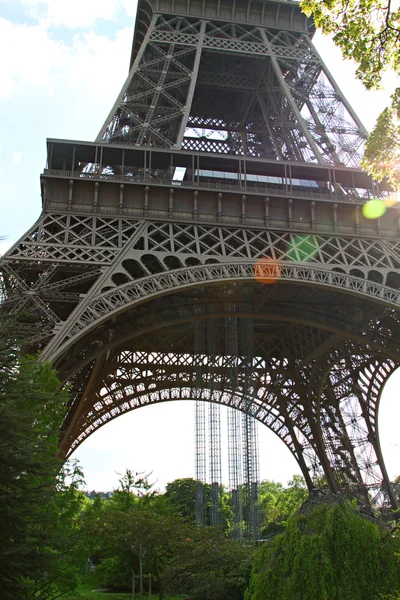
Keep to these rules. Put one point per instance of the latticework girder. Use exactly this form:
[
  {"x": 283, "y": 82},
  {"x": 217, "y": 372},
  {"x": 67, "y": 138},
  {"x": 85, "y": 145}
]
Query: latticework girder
[
  {"x": 200, "y": 431},
  {"x": 214, "y": 427},
  {"x": 271, "y": 94},
  {"x": 234, "y": 428}
]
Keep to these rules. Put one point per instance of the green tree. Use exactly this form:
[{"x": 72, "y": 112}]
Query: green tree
[
  {"x": 328, "y": 553},
  {"x": 181, "y": 557},
  {"x": 368, "y": 32},
  {"x": 209, "y": 566},
  {"x": 134, "y": 489},
  {"x": 382, "y": 153},
  {"x": 278, "y": 503},
  {"x": 181, "y": 498},
  {"x": 34, "y": 498}
]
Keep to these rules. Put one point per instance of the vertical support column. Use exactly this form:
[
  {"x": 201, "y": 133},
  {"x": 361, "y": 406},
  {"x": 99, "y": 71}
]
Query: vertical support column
[
  {"x": 96, "y": 195},
  {"x": 66, "y": 234},
  {"x": 234, "y": 428},
  {"x": 219, "y": 206},
  {"x": 171, "y": 203},
  {"x": 200, "y": 426},
  {"x": 44, "y": 192},
  {"x": 249, "y": 432},
  {"x": 192, "y": 87},
  {"x": 266, "y": 213},
  {"x": 70, "y": 193},
  {"x": 335, "y": 86},
  {"x": 128, "y": 79},
  {"x": 146, "y": 201},
  {"x": 243, "y": 209},
  {"x": 214, "y": 426},
  {"x": 357, "y": 218},
  {"x": 312, "y": 207},
  {"x": 121, "y": 198},
  {"x": 290, "y": 99},
  {"x": 335, "y": 207},
  {"x": 195, "y": 204}
]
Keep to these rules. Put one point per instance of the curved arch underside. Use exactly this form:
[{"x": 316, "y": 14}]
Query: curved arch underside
[
  {"x": 110, "y": 302},
  {"x": 319, "y": 362}
]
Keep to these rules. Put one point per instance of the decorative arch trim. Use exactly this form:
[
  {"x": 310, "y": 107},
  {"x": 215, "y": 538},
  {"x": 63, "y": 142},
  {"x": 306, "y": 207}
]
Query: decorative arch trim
[
  {"x": 259, "y": 410},
  {"x": 92, "y": 313}
]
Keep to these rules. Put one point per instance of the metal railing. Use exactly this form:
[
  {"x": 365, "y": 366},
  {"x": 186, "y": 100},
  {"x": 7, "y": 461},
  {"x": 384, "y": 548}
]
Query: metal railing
[
  {"x": 243, "y": 188},
  {"x": 221, "y": 220}
]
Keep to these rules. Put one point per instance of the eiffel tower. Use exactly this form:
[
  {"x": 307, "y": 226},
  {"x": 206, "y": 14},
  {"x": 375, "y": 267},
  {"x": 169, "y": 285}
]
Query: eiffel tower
[{"x": 224, "y": 187}]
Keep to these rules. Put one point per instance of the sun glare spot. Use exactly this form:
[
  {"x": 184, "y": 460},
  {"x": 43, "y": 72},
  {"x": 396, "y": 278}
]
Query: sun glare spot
[
  {"x": 374, "y": 209},
  {"x": 392, "y": 199},
  {"x": 267, "y": 270},
  {"x": 303, "y": 248}
]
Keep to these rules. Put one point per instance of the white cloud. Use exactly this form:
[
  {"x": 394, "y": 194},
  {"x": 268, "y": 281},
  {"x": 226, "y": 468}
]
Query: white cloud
[
  {"x": 77, "y": 13},
  {"x": 4, "y": 246},
  {"x": 32, "y": 56},
  {"x": 130, "y": 7},
  {"x": 16, "y": 159},
  {"x": 38, "y": 61},
  {"x": 106, "y": 60},
  {"x": 50, "y": 88}
]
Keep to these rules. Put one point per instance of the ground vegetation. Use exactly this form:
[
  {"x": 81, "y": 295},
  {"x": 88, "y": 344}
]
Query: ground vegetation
[
  {"x": 328, "y": 551},
  {"x": 39, "y": 495}
]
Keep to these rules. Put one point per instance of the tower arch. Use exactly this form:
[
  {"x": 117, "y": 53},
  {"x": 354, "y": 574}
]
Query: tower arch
[{"x": 185, "y": 210}]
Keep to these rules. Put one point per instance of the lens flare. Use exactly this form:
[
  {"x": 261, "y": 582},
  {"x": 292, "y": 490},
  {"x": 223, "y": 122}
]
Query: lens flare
[
  {"x": 303, "y": 248},
  {"x": 267, "y": 270},
  {"x": 392, "y": 199},
  {"x": 374, "y": 209}
]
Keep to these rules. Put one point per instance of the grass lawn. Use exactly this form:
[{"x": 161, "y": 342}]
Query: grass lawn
[{"x": 84, "y": 592}]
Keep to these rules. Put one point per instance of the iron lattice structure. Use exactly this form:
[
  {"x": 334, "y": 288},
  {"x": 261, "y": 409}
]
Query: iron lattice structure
[
  {"x": 229, "y": 143},
  {"x": 200, "y": 432},
  {"x": 242, "y": 435}
]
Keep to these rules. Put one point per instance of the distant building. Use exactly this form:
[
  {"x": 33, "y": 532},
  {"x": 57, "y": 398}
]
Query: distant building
[{"x": 103, "y": 495}]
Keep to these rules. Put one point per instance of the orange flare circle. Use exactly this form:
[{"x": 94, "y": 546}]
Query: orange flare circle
[
  {"x": 267, "y": 270},
  {"x": 392, "y": 199}
]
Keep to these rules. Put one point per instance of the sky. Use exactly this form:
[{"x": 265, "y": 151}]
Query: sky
[{"x": 63, "y": 64}]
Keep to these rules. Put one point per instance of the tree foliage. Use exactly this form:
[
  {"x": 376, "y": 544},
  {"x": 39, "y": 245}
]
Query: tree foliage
[
  {"x": 180, "y": 495},
  {"x": 382, "y": 153},
  {"x": 368, "y": 32},
  {"x": 123, "y": 536},
  {"x": 329, "y": 553},
  {"x": 279, "y": 503},
  {"x": 36, "y": 505}
]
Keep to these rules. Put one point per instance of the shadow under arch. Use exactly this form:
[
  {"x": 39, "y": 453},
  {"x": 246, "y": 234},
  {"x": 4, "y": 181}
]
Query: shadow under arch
[
  {"x": 318, "y": 308},
  {"x": 93, "y": 311}
]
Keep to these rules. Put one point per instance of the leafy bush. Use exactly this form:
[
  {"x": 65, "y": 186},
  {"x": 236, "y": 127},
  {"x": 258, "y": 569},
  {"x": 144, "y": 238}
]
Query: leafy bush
[{"x": 331, "y": 553}]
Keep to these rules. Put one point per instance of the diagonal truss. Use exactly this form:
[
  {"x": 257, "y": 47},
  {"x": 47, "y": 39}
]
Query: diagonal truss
[{"x": 272, "y": 95}]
